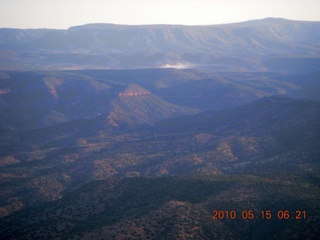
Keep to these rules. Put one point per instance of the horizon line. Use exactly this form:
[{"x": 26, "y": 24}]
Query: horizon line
[{"x": 162, "y": 24}]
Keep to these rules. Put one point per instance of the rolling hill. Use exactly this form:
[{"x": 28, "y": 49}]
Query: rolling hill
[
  {"x": 274, "y": 135},
  {"x": 177, "y": 208},
  {"x": 38, "y": 99},
  {"x": 137, "y": 106}
]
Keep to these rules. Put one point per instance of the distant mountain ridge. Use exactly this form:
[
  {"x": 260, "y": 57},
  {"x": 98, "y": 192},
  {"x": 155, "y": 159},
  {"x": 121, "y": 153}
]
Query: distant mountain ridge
[{"x": 124, "y": 46}]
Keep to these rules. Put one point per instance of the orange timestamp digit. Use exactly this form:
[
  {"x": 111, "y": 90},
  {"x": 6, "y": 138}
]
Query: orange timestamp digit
[
  {"x": 224, "y": 214},
  {"x": 264, "y": 214},
  {"x": 286, "y": 214}
]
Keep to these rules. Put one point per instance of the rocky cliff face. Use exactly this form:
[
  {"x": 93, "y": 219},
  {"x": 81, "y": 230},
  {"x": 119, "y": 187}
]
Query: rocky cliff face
[
  {"x": 131, "y": 94},
  {"x": 134, "y": 90},
  {"x": 116, "y": 46}
]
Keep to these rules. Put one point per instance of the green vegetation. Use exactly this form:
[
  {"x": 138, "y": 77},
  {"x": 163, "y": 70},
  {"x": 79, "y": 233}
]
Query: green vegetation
[
  {"x": 121, "y": 162},
  {"x": 176, "y": 207}
]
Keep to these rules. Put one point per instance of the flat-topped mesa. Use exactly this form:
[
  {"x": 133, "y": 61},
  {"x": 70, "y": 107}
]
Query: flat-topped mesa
[{"x": 134, "y": 90}]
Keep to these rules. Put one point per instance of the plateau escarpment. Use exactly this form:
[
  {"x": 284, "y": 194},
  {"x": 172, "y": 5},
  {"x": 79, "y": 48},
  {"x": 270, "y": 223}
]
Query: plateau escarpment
[{"x": 247, "y": 46}]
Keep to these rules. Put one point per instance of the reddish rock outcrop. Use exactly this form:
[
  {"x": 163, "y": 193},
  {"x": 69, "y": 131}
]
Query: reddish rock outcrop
[
  {"x": 134, "y": 93},
  {"x": 134, "y": 90}
]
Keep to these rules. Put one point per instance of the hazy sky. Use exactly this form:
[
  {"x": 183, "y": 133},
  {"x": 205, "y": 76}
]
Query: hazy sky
[{"x": 67, "y": 13}]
